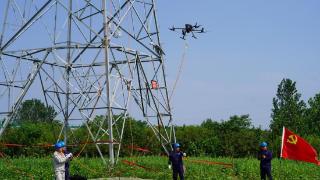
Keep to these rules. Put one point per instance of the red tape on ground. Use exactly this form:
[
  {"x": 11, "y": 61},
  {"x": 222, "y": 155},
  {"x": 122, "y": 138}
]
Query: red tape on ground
[
  {"x": 74, "y": 145},
  {"x": 136, "y": 165},
  {"x": 139, "y": 149},
  {"x": 51, "y": 145},
  {"x": 14, "y": 145},
  {"x": 212, "y": 163}
]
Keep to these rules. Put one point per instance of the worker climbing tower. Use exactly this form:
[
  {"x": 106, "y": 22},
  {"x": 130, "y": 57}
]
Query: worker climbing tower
[{"x": 85, "y": 58}]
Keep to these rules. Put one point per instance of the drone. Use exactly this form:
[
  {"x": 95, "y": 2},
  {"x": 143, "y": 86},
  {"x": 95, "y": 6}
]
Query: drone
[{"x": 188, "y": 28}]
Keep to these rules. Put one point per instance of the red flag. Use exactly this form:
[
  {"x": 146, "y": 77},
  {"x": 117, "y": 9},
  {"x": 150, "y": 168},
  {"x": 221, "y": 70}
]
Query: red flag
[{"x": 296, "y": 148}]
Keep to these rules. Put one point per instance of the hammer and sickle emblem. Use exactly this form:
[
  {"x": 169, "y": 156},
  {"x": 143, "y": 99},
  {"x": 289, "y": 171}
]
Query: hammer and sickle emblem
[{"x": 292, "y": 139}]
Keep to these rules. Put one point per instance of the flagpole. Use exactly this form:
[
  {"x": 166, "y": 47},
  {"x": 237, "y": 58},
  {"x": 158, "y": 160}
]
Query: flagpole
[{"x": 282, "y": 140}]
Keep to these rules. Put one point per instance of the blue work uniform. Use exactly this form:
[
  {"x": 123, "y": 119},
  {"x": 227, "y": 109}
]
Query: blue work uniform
[
  {"x": 66, "y": 166},
  {"x": 265, "y": 164},
  {"x": 175, "y": 159}
]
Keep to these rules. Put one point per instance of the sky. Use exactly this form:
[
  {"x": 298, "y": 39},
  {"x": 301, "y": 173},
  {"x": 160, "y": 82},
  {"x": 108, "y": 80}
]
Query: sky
[{"x": 235, "y": 68}]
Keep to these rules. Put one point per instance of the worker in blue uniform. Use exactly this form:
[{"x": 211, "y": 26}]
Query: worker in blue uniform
[
  {"x": 265, "y": 157},
  {"x": 176, "y": 162},
  {"x": 67, "y": 165}
]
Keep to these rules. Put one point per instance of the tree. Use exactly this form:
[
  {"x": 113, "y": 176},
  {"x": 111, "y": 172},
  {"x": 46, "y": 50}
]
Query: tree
[
  {"x": 34, "y": 111},
  {"x": 30, "y": 135},
  {"x": 313, "y": 115},
  {"x": 288, "y": 110},
  {"x": 236, "y": 136},
  {"x": 192, "y": 139},
  {"x": 236, "y": 123}
]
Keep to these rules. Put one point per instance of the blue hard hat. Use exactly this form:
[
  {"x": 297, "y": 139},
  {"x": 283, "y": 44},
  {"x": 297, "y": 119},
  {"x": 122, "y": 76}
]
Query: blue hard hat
[
  {"x": 59, "y": 144},
  {"x": 263, "y": 144},
  {"x": 176, "y": 145}
]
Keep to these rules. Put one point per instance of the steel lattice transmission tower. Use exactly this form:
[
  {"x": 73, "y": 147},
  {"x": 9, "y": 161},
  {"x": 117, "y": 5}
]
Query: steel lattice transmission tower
[{"x": 85, "y": 58}]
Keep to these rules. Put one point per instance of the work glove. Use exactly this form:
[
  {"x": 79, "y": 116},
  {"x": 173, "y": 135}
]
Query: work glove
[
  {"x": 69, "y": 155},
  {"x": 169, "y": 166}
]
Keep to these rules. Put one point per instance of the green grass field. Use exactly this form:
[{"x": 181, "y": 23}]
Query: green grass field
[{"x": 153, "y": 167}]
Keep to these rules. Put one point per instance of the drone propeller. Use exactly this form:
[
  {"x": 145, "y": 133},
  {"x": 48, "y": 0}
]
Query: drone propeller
[
  {"x": 200, "y": 31},
  {"x": 172, "y": 29},
  {"x": 196, "y": 25}
]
